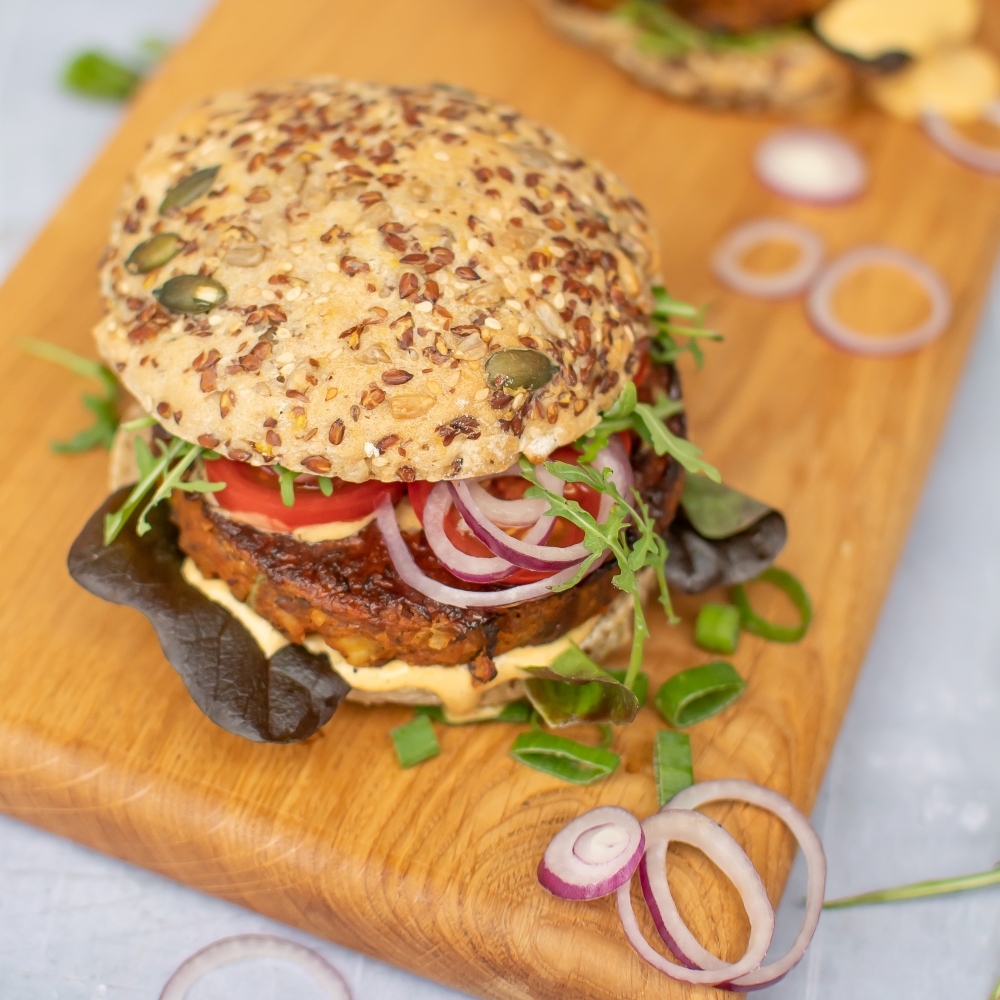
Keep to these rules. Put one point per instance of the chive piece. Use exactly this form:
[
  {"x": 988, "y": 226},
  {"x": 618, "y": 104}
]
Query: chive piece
[
  {"x": 514, "y": 711},
  {"x": 718, "y": 628},
  {"x": 752, "y": 622},
  {"x": 325, "y": 486},
  {"x": 94, "y": 74},
  {"x": 698, "y": 693},
  {"x": 995, "y": 995},
  {"x": 920, "y": 890},
  {"x": 671, "y": 764},
  {"x": 415, "y": 741},
  {"x": 640, "y": 687},
  {"x": 563, "y": 758},
  {"x": 286, "y": 480}
]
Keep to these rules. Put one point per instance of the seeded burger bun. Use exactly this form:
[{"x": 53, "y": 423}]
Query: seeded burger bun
[{"x": 371, "y": 283}]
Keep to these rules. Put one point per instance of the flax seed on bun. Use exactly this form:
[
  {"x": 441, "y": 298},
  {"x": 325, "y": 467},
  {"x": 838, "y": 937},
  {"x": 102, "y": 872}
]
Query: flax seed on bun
[{"x": 370, "y": 282}]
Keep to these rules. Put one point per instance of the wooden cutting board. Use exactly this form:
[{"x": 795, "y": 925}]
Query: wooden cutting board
[{"x": 432, "y": 869}]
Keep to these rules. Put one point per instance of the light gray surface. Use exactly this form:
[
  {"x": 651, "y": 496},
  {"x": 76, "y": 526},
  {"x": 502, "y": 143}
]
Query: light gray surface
[{"x": 913, "y": 790}]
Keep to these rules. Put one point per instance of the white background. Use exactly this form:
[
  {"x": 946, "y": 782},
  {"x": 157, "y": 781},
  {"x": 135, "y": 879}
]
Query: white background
[{"x": 913, "y": 790}]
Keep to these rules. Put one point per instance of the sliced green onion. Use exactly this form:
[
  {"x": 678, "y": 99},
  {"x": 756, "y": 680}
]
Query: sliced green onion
[
  {"x": 920, "y": 890},
  {"x": 325, "y": 486},
  {"x": 698, "y": 693},
  {"x": 752, "y": 622},
  {"x": 563, "y": 758},
  {"x": 607, "y": 735},
  {"x": 514, "y": 711},
  {"x": 415, "y": 741},
  {"x": 640, "y": 686},
  {"x": 286, "y": 480},
  {"x": 717, "y": 628},
  {"x": 995, "y": 995},
  {"x": 671, "y": 764}
]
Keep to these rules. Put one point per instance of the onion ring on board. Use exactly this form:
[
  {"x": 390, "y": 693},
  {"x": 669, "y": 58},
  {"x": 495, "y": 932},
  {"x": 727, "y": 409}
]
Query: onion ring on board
[
  {"x": 690, "y": 827},
  {"x": 815, "y": 165},
  {"x": 247, "y": 946},
  {"x": 821, "y": 312},
  {"x": 726, "y": 260},
  {"x": 961, "y": 148},
  {"x": 737, "y": 790},
  {"x": 592, "y": 855}
]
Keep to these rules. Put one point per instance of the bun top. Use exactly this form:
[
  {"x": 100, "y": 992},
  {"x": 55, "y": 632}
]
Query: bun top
[{"x": 369, "y": 282}]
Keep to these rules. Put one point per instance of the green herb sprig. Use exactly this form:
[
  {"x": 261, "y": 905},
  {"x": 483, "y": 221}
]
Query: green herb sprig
[
  {"x": 167, "y": 468},
  {"x": 920, "y": 890},
  {"x": 664, "y": 347},
  {"x": 101, "y": 433},
  {"x": 97, "y": 75},
  {"x": 666, "y": 34},
  {"x": 648, "y": 421},
  {"x": 648, "y": 548}
]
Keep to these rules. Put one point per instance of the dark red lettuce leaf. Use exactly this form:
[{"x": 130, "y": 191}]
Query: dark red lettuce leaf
[
  {"x": 720, "y": 536},
  {"x": 280, "y": 700}
]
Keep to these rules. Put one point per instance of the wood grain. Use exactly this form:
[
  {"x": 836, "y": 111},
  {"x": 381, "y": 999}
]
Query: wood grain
[{"x": 433, "y": 869}]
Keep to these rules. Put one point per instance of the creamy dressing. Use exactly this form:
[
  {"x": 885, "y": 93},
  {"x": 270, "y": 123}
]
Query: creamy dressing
[
  {"x": 452, "y": 686},
  {"x": 267, "y": 636}
]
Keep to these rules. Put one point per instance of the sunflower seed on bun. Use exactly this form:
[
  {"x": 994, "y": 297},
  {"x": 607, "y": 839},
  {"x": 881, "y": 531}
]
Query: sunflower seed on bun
[{"x": 366, "y": 282}]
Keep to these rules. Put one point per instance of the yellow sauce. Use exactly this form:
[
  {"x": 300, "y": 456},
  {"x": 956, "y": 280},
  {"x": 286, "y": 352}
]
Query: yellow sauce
[{"x": 451, "y": 686}]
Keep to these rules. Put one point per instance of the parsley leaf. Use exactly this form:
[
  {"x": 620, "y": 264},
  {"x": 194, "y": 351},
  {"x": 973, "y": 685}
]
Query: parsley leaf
[{"x": 104, "y": 406}]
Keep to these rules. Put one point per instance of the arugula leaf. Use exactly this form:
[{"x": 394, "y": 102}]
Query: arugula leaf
[
  {"x": 664, "y": 347},
  {"x": 654, "y": 431},
  {"x": 94, "y": 74},
  {"x": 104, "y": 407},
  {"x": 646, "y": 420},
  {"x": 172, "y": 462},
  {"x": 649, "y": 549}
]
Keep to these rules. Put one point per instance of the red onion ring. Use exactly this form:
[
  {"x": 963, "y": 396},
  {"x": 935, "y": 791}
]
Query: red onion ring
[
  {"x": 508, "y": 513},
  {"x": 527, "y": 553},
  {"x": 693, "y": 828},
  {"x": 812, "y": 848},
  {"x": 823, "y": 318},
  {"x": 475, "y": 569},
  {"x": 522, "y": 553},
  {"x": 411, "y": 574},
  {"x": 593, "y": 855},
  {"x": 944, "y": 135},
  {"x": 727, "y": 263},
  {"x": 246, "y": 946},
  {"x": 814, "y": 165}
]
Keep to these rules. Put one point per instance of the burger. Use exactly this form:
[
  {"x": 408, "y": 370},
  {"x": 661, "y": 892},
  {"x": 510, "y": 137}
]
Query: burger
[{"x": 405, "y": 423}]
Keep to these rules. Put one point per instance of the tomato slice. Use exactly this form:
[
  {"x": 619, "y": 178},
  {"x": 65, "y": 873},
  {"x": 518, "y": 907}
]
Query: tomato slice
[
  {"x": 252, "y": 489},
  {"x": 511, "y": 488}
]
